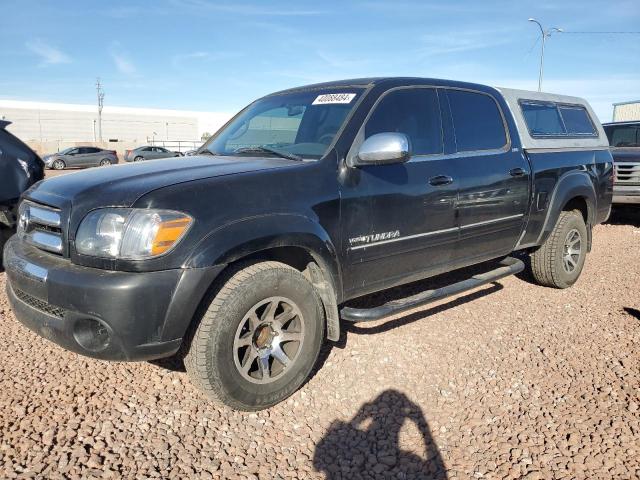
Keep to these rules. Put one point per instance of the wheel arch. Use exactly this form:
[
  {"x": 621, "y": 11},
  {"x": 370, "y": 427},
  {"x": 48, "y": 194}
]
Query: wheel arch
[
  {"x": 574, "y": 191},
  {"x": 294, "y": 240}
]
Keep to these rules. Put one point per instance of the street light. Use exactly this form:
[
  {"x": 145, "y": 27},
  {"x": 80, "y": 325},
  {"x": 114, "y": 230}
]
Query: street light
[{"x": 545, "y": 34}]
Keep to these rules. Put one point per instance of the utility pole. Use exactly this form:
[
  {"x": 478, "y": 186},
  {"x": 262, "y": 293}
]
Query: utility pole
[
  {"x": 545, "y": 34},
  {"x": 100, "y": 105}
]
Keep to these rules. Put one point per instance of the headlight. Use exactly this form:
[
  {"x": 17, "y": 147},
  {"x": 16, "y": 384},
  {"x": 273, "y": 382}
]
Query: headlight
[{"x": 129, "y": 233}]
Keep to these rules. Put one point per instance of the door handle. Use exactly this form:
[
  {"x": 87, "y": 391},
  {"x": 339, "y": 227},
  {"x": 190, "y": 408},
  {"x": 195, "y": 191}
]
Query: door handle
[
  {"x": 517, "y": 172},
  {"x": 439, "y": 180}
]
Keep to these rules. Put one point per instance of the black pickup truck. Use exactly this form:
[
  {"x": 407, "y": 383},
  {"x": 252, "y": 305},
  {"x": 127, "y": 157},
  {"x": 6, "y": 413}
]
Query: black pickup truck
[{"x": 244, "y": 257}]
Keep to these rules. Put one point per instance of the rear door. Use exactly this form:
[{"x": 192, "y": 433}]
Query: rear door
[
  {"x": 93, "y": 156},
  {"x": 494, "y": 178},
  {"x": 147, "y": 153},
  {"x": 399, "y": 220}
]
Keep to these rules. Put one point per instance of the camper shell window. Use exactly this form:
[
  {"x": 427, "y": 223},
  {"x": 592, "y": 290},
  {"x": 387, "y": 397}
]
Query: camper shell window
[{"x": 550, "y": 119}]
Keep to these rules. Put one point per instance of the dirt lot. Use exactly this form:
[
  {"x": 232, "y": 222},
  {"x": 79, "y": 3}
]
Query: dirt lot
[{"x": 510, "y": 381}]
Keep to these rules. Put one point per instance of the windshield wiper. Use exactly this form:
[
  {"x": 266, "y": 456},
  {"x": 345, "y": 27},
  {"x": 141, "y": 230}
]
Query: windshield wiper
[
  {"x": 280, "y": 153},
  {"x": 206, "y": 151}
]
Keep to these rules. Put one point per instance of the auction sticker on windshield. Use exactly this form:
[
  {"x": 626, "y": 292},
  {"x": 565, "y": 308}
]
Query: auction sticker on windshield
[{"x": 328, "y": 98}]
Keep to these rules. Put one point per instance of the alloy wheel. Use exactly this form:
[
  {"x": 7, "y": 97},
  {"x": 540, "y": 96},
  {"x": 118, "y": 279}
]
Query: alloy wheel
[
  {"x": 268, "y": 340},
  {"x": 572, "y": 250}
]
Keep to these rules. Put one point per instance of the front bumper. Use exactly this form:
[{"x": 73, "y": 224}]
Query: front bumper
[
  {"x": 626, "y": 194},
  {"x": 103, "y": 314}
]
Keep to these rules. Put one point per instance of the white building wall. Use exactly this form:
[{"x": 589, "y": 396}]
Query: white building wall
[
  {"x": 46, "y": 122},
  {"x": 624, "y": 112}
]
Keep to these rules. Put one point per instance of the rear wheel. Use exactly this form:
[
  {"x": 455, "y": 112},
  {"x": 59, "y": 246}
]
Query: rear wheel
[
  {"x": 559, "y": 261},
  {"x": 105, "y": 162},
  {"x": 138, "y": 159},
  {"x": 258, "y": 339},
  {"x": 58, "y": 165}
]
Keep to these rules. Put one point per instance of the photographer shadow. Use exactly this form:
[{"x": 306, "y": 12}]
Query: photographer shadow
[{"x": 369, "y": 445}]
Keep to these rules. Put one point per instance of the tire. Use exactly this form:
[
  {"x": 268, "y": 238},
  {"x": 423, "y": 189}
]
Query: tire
[
  {"x": 553, "y": 265},
  {"x": 5, "y": 234},
  {"x": 214, "y": 357},
  {"x": 58, "y": 165},
  {"x": 105, "y": 162},
  {"x": 138, "y": 159}
]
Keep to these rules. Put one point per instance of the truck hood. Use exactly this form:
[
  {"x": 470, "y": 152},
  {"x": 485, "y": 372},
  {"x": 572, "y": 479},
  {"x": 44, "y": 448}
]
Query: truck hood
[
  {"x": 122, "y": 185},
  {"x": 626, "y": 154}
]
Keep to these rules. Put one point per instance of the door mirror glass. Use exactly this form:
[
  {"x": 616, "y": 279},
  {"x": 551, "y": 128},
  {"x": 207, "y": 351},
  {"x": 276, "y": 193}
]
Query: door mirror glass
[{"x": 384, "y": 148}]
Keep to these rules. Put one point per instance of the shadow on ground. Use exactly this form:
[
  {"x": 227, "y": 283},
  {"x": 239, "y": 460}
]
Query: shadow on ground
[
  {"x": 370, "y": 443},
  {"x": 634, "y": 312},
  {"x": 625, "y": 216}
]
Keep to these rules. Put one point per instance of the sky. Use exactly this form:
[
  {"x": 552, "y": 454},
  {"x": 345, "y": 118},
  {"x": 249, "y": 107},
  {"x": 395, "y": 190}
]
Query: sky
[{"x": 210, "y": 55}]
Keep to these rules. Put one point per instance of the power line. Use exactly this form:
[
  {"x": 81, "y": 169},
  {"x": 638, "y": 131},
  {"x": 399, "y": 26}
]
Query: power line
[{"x": 601, "y": 33}]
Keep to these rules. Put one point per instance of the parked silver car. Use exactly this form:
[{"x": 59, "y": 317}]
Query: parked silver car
[
  {"x": 149, "y": 153},
  {"x": 73, "y": 157}
]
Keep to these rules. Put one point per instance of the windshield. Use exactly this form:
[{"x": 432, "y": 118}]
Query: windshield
[
  {"x": 298, "y": 125},
  {"x": 623, "y": 135},
  {"x": 66, "y": 150}
]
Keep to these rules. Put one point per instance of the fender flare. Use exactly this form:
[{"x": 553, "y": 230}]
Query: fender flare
[
  {"x": 570, "y": 185},
  {"x": 239, "y": 239}
]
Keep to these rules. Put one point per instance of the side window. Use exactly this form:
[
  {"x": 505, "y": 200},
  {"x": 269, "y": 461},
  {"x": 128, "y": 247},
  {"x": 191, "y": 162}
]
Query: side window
[
  {"x": 576, "y": 120},
  {"x": 477, "y": 121},
  {"x": 83, "y": 150},
  {"x": 542, "y": 119},
  {"x": 147, "y": 149},
  {"x": 414, "y": 112},
  {"x": 92, "y": 150}
]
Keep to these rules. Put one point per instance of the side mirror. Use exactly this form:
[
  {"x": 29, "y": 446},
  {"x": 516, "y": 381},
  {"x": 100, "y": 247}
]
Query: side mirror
[{"x": 384, "y": 149}]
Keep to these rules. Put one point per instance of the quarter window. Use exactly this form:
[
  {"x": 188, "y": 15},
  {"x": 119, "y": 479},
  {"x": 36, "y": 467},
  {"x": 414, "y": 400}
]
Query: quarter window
[
  {"x": 414, "y": 112},
  {"x": 477, "y": 121}
]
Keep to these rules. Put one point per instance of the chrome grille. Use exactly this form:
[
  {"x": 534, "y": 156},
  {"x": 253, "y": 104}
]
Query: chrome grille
[
  {"x": 627, "y": 173},
  {"x": 38, "y": 304},
  {"x": 41, "y": 226}
]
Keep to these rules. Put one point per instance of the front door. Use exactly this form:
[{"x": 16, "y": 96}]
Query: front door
[
  {"x": 398, "y": 221},
  {"x": 494, "y": 178}
]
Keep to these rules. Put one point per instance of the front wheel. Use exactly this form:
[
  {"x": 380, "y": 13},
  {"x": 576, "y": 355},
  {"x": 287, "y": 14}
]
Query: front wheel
[
  {"x": 559, "y": 261},
  {"x": 258, "y": 339},
  {"x": 58, "y": 165}
]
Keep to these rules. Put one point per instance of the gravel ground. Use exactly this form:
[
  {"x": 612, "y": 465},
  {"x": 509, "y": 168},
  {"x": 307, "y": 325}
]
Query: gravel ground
[{"x": 509, "y": 381}]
